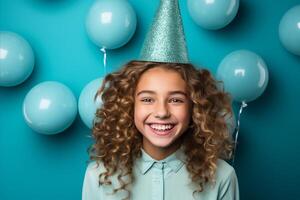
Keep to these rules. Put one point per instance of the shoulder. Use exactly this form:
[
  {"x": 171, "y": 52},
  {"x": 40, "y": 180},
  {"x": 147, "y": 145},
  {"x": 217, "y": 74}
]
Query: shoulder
[
  {"x": 224, "y": 171},
  {"x": 90, "y": 188},
  {"x": 227, "y": 182},
  {"x": 94, "y": 168}
]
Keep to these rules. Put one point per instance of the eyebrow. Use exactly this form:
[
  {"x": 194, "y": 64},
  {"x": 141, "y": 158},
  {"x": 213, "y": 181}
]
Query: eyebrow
[{"x": 170, "y": 93}]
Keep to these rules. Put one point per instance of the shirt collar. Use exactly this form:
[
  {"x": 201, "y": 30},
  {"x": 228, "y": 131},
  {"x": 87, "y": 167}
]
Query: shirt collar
[{"x": 175, "y": 161}]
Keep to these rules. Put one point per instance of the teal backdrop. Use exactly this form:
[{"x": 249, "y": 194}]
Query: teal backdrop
[{"x": 35, "y": 166}]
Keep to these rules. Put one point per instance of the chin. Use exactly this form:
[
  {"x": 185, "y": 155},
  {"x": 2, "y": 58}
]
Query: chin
[{"x": 162, "y": 144}]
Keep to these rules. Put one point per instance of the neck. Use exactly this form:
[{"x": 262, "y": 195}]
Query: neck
[{"x": 160, "y": 153}]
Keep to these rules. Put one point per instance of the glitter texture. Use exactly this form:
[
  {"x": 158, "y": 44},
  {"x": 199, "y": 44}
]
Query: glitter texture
[{"x": 165, "y": 42}]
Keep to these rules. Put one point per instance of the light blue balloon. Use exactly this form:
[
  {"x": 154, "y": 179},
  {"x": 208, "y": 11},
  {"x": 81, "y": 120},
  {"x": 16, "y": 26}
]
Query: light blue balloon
[
  {"x": 49, "y": 108},
  {"x": 16, "y": 59},
  {"x": 86, "y": 105},
  {"x": 244, "y": 74},
  {"x": 111, "y": 23},
  {"x": 213, "y": 14},
  {"x": 289, "y": 30}
]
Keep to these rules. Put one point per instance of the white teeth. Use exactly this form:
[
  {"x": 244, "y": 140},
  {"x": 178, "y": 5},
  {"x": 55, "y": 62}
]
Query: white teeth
[{"x": 161, "y": 127}]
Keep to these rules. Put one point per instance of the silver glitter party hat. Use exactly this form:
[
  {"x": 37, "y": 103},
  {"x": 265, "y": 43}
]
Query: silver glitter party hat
[{"x": 165, "y": 42}]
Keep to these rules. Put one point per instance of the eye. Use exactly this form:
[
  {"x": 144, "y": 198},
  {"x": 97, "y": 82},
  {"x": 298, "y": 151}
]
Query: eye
[
  {"x": 147, "y": 100},
  {"x": 176, "y": 100}
]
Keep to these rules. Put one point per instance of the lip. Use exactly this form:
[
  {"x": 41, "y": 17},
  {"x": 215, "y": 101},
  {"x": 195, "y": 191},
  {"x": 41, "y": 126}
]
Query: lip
[
  {"x": 161, "y": 123},
  {"x": 161, "y": 133}
]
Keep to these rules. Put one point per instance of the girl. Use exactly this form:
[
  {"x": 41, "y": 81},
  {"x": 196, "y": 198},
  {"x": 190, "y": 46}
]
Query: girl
[{"x": 161, "y": 135}]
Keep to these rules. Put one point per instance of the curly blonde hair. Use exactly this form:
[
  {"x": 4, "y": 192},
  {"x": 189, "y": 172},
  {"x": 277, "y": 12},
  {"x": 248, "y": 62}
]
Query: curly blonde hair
[{"x": 118, "y": 143}]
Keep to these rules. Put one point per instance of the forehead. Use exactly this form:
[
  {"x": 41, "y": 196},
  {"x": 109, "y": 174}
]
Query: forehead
[{"x": 161, "y": 79}]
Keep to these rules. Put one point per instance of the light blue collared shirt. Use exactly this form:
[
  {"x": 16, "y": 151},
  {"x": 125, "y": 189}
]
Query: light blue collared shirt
[{"x": 165, "y": 179}]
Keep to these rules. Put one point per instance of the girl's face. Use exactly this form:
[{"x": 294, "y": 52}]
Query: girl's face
[{"x": 162, "y": 110}]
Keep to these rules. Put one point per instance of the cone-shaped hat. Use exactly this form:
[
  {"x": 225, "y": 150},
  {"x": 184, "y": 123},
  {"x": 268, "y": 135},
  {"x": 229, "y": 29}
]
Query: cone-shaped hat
[{"x": 165, "y": 41}]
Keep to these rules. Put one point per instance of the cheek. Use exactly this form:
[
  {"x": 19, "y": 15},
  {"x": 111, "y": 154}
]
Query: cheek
[
  {"x": 140, "y": 114},
  {"x": 183, "y": 115}
]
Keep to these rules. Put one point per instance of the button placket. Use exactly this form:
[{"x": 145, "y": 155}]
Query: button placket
[{"x": 158, "y": 182}]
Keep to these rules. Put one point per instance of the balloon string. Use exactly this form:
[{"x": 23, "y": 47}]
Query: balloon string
[
  {"x": 103, "y": 50},
  {"x": 243, "y": 105}
]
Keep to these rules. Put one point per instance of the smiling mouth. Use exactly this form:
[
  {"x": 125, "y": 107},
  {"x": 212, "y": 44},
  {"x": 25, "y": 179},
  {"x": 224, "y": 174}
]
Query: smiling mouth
[{"x": 161, "y": 129}]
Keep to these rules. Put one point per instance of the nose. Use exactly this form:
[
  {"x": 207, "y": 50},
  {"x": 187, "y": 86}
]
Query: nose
[{"x": 162, "y": 111}]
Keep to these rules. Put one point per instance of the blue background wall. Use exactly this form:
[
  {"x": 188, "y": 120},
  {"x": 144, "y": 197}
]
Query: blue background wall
[{"x": 34, "y": 166}]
